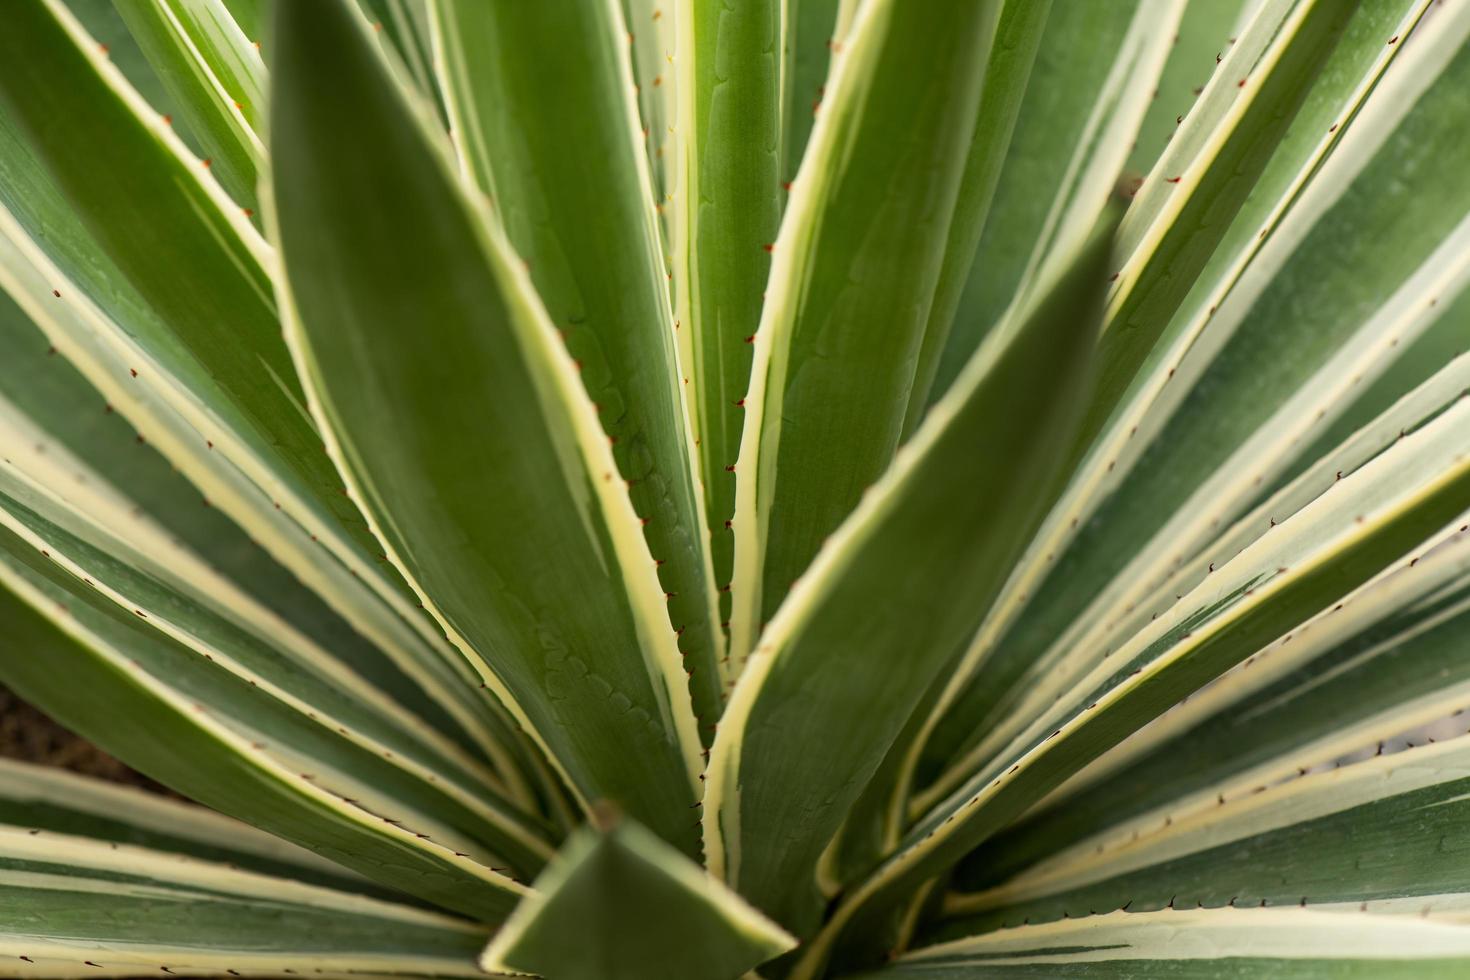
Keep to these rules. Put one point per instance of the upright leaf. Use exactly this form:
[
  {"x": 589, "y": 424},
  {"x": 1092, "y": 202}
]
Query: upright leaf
[
  {"x": 869, "y": 628},
  {"x": 411, "y": 318},
  {"x": 1200, "y": 182},
  {"x": 1096, "y": 69},
  {"x": 810, "y": 38},
  {"x": 558, "y": 153},
  {"x": 855, "y": 267},
  {"x": 1017, "y": 38},
  {"x": 726, "y": 210},
  {"x": 651, "y": 22},
  {"x": 1206, "y": 33}
]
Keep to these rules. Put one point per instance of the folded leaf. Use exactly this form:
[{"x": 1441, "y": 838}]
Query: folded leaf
[{"x": 619, "y": 904}]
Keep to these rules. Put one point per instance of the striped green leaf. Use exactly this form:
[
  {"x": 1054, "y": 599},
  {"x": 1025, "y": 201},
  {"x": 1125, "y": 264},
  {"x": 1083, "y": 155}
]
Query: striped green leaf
[
  {"x": 1320, "y": 554},
  {"x": 907, "y": 575},
  {"x": 557, "y": 152},
  {"x": 215, "y": 75},
  {"x": 405, "y": 28},
  {"x": 517, "y": 534},
  {"x": 362, "y": 746},
  {"x": 1376, "y": 664},
  {"x": 652, "y": 25},
  {"x": 1056, "y": 675},
  {"x": 1202, "y": 944},
  {"x": 1207, "y": 31},
  {"x": 216, "y": 737},
  {"x": 37, "y": 797},
  {"x": 724, "y": 218},
  {"x": 74, "y": 906},
  {"x": 1189, "y": 200},
  {"x": 184, "y": 337},
  {"x": 1017, "y": 38},
  {"x": 810, "y": 37},
  {"x": 1163, "y": 478},
  {"x": 236, "y": 577},
  {"x": 638, "y": 910},
  {"x": 855, "y": 267},
  {"x": 1382, "y": 832},
  {"x": 1095, "y": 72}
]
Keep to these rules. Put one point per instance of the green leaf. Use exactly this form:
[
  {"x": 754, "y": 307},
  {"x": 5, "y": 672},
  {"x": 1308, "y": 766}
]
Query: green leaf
[
  {"x": 1289, "y": 328},
  {"x": 83, "y": 433},
  {"x": 855, "y": 267},
  {"x": 1202, "y": 944},
  {"x": 1017, "y": 38},
  {"x": 406, "y": 29},
  {"x": 652, "y": 24},
  {"x": 1376, "y": 664},
  {"x": 633, "y": 909},
  {"x": 1051, "y": 678},
  {"x": 1322, "y": 553},
  {"x": 205, "y": 275},
  {"x": 1386, "y": 832},
  {"x": 184, "y": 332},
  {"x": 518, "y": 536},
  {"x": 215, "y": 737},
  {"x": 1188, "y": 202},
  {"x": 557, "y": 151},
  {"x": 215, "y": 75},
  {"x": 73, "y": 906},
  {"x": 43, "y": 797},
  {"x": 910, "y": 572},
  {"x": 1206, "y": 32},
  {"x": 48, "y": 391},
  {"x": 725, "y": 216},
  {"x": 1093, "y": 77},
  {"x": 810, "y": 38},
  {"x": 358, "y": 745}
]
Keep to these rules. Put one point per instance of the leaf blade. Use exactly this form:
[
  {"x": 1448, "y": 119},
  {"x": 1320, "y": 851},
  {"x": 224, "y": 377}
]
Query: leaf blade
[
  {"x": 529, "y": 552},
  {"x": 642, "y": 910}
]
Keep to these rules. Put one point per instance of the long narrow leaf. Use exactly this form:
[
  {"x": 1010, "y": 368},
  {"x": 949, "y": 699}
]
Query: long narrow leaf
[
  {"x": 409, "y": 317},
  {"x": 725, "y": 216},
  {"x": 150, "y": 698},
  {"x": 558, "y": 153},
  {"x": 70, "y": 906},
  {"x": 854, "y": 272},
  {"x": 912, "y": 568},
  {"x": 1322, "y": 553},
  {"x": 1202, "y": 943},
  {"x": 216, "y": 76}
]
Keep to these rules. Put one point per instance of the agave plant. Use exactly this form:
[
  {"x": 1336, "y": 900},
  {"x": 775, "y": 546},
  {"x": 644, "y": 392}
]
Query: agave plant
[{"x": 677, "y": 490}]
